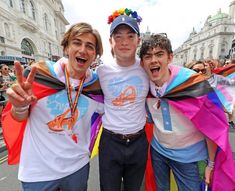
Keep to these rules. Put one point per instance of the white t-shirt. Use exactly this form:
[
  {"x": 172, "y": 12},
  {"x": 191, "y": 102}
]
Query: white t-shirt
[
  {"x": 125, "y": 90},
  {"x": 47, "y": 154}
]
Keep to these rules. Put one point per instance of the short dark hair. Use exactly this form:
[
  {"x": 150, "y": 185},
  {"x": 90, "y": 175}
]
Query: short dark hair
[{"x": 153, "y": 41}]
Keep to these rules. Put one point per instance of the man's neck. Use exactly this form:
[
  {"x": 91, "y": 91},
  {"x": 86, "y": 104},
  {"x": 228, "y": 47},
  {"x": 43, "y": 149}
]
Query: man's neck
[
  {"x": 162, "y": 81},
  {"x": 125, "y": 62},
  {"x": 75, "y": 74}
]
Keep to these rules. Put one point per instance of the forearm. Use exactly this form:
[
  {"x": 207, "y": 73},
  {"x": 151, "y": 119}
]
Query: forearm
[{"x": 211, "y": 147}]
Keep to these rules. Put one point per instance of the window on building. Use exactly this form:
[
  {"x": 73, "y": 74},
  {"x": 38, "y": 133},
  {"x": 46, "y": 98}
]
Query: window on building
[
  {"x": 2, "y": 39},
  {"x": 56, "y": 25},
  {"x": 22, "y": 6},
  {"x": 26, "y": 48},
  {"x": 49, "y": 48},
  {"x": 222, "y": 50},
  {"x": 56, "y": 35},
  {"x": 225, "y": 29},
  {"x": 46, "y": 23},
  {"x": 202, "y": 55},
  {"x": 195, "y": 56},
  {"x": 32, "y": 10},
  {"x": 211, "y": 52},
  {"x": 7, "y": 30},
  {"x": 10, "y": 3}
]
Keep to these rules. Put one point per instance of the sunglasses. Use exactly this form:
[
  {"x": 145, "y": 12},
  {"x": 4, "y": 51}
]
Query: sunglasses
[{"x": 203, "y": 71}]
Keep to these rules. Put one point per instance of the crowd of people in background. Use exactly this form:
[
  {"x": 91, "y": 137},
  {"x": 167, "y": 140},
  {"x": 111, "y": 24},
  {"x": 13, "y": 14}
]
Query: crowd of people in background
[
  {"x": 7, "y": 77},
  {"x": 61, "y": 101},
  {"x": 209, "y": 67}
]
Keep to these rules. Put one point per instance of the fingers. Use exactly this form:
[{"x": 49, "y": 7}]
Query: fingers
[
  {"x": 29, "y": 81},
  {"x": 15, "y": 98},
  {"x": 17, "y": 94},
  {"x": 18, "y": 72},
  {"x": 31, "y": 75},
  {"x": 23, "y": 89},
  {"x": 208, "y": 175}
]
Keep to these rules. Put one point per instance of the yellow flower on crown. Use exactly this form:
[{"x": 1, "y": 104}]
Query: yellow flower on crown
[{"x": 121, "y": 11}]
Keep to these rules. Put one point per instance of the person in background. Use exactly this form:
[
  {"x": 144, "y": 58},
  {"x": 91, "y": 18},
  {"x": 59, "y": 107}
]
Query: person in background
[
  {"x": 2, "y": 92},
  {"x": 216, "y": 81},
  {"x": 181, "y": 103},
  {"x": 197, "y": 66},
  {"x": 6, "y": 77},
  {"x": 123, "y": 145},
  {"x": 50, "y": 111}
]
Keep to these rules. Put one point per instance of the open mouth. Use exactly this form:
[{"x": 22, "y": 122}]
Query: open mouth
[
  {"x": 81, "y": 60},
  {"x": 155, "y": 69}
]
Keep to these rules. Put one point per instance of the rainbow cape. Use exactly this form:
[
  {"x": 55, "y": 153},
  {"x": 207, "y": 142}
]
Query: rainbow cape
[
  {"x": 227, "y": 71},
  {"x": 45, "y": 84},
  {"x": 192, "y": 95},
  {"x": 226, "y": 92}
]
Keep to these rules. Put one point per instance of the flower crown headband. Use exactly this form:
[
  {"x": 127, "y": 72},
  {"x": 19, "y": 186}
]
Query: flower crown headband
[{"x": 124, "y": 11}]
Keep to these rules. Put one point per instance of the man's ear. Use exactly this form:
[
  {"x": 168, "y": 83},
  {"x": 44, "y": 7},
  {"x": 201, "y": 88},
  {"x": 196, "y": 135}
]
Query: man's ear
[
  {"x": 66, "y": 51},
  {"x": 139, "y": 40},
  {"x": 110, "y": 40},
  {"x": 170, "y": 58}
]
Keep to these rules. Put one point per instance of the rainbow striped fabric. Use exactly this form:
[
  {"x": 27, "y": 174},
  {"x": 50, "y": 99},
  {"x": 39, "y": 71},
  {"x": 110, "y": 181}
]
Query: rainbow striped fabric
[{"x": 192, "y": 95}]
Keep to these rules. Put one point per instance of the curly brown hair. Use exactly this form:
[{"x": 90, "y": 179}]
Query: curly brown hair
[{"x": 153, "y": 41}]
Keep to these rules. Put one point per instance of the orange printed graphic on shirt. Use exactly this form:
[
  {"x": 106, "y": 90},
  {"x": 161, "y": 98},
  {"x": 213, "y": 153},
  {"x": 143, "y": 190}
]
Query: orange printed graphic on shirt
[
  {"x": 61, "y": 120},
  {"x": 129, "y": 94}
]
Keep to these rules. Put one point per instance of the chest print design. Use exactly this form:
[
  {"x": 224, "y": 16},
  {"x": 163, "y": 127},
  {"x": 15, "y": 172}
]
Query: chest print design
[
  {"x": 125, "y": 91},
  {"x": 65, "y": 122},
  {"x": 62, "y": 120}
]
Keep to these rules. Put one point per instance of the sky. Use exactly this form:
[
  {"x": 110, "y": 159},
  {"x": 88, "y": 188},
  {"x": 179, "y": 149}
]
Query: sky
[{"x": 177, "y": 18}]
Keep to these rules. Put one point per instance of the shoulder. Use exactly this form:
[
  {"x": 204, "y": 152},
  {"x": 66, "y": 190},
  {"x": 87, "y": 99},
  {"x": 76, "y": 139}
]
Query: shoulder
[{"x": 103, "y": 69}]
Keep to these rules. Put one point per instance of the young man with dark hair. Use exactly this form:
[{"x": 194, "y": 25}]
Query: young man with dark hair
[
  {"x": 123, "y": 145},
  {"x": 189, "y": 123}
]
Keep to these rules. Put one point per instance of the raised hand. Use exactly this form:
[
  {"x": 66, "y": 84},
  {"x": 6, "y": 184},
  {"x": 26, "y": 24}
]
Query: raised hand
[{"x": 20, "y": 93}]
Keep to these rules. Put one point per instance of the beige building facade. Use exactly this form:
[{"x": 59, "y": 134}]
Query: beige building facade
[
  {"x": 31, "y": 30},
  {"x": 214, "y": 40}
]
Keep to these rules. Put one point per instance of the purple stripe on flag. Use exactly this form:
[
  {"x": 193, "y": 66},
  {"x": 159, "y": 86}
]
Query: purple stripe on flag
[{"x": 95, "y": 126}]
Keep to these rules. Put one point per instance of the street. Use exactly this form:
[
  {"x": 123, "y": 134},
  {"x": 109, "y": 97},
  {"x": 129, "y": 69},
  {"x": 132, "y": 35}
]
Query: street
[{"x": 9, "y": 181}]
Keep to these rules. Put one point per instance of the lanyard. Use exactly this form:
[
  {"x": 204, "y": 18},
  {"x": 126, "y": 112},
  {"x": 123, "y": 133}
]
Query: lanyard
[{"x": 72, "y": 105}]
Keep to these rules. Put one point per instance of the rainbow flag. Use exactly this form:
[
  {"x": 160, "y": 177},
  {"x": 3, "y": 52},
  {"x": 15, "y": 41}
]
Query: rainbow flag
[
  {"x": 44, "y": 84},
  {"x": 192, "y": 95},
  {"x": 224, "y": 90}
]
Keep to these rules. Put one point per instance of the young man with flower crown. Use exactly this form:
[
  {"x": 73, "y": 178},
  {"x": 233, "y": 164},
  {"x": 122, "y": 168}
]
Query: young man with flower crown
[
  {"x": 123, "y": 145},
  {"x": 47, "y": 124}
]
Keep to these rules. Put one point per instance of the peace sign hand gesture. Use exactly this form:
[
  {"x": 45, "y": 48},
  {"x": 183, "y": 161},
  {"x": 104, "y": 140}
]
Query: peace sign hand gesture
[{"x": 20, "y": 94}]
